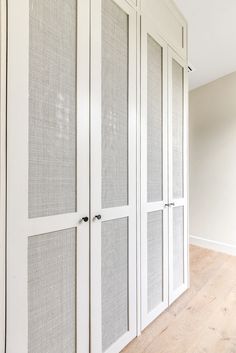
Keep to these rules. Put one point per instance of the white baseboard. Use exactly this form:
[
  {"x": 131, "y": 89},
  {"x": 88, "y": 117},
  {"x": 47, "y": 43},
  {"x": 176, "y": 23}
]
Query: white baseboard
[{"x": 213, "y": 245}]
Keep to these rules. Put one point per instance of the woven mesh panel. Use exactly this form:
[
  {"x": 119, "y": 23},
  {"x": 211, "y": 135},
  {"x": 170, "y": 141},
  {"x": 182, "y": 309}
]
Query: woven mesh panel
[
  {"x": 178, "y": 246},
  {"x": 155, "y": 259},
  {"x": 177, "y": 133},
  {"x": 52, "y": 107},
  {"x": 114, "y": 281},
  {"x": 114, "y": 105},
  {"x": 51, "y": 292},
  {"x": 154, "y": 121}
]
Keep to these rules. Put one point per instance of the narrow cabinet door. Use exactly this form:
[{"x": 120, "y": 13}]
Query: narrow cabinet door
[
  {"x": 113, "y": 175},
  {"x": 154, "y": 181},
  {"x": 48, "y": 177},
  {"x": 178, "y": 217}
]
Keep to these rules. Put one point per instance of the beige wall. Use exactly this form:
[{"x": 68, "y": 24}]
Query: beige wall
[
  {"x": 213, "y": 160},
  {"x": 2, "y": 169}
]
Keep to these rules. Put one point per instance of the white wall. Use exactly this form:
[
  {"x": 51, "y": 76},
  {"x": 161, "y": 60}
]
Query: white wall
[{"x": 213, "y": 164}]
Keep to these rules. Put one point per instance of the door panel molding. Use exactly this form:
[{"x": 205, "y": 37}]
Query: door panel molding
[
  {"x": 174, "y": 293},
  {"x": 112, "y": 213},
  {"x": 148, "y": 29},
  {"x": 20, "y": 227}
]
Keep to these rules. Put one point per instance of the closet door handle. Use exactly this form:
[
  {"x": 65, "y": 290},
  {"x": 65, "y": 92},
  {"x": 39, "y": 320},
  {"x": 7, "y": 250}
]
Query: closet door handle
[
  {"x": 84, "y": 219},
  {"x": 172, "y": 204},
  {"x": 98, "y": 216}
]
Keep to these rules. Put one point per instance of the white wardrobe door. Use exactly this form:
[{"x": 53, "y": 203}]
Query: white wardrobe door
[
  {"x": 178, "y": 177},
  {"x": 113, "y": 176},
  {"x": 48, "y": 195},
  {"x": 154, "y": 215}
]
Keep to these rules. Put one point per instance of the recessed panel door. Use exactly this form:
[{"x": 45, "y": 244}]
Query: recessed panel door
[
  {"x": 154, "y": 183},
  {"x": 48, "y": 177},
  {"x": 113, "y": 175},
  {"x": 178, "y": 249}
]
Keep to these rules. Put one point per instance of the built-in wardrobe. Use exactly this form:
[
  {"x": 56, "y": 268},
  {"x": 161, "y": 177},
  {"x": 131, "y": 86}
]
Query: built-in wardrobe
[{"x": 97, "y": 209}]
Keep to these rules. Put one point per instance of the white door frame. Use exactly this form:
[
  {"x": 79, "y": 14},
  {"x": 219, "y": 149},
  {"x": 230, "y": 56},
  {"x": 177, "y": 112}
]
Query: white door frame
[
  {"x": 148, "y": 28},
  {"x": 174, "y": 294},
  {"x": 3, "y": 56},
  {"x": 96, "y": 182},
  {"x": 19, "y": 226}
]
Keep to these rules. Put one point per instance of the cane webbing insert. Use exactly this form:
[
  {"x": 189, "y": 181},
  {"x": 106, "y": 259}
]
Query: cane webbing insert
[
  {"x": 114, "y": 105},
  {"x": 178, "y": 247},
  {"x": 154, "y": 121},
  {"x": 177, "y": 130},
  {"x": 114, "y": 281},
  {"x": 52, "y": 107},
  {"x": 155, "y": 259},
  {"x": 52, "y": 292}
]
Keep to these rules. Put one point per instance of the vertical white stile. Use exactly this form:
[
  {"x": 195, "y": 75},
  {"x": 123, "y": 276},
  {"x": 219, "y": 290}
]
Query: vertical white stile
[
  {"x": 17, "y": 171},
  {"x": 83, "y": 175},
  {"x": 95, "y": 177},
  {"x": 138, "y": 167}
]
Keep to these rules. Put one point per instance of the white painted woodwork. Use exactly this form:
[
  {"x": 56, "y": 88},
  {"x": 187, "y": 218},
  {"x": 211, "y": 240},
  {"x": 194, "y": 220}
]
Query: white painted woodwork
[
  {"x": 148, "y": 29},
  {"x": 19, "y": 226},
  {"x": 112, "y": 213},
  {"x": 174, "y": 293},
  {"x": 162, "y": 21},
  {"x": 169, "y": 22}
]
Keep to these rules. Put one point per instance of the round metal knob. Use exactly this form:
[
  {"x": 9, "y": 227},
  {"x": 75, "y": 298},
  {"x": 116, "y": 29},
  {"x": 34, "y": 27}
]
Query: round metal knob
[
  {"x": 98, "y": 217},
  {"x": 169, "y": 204},
  {"x": 84, "y": 219}
]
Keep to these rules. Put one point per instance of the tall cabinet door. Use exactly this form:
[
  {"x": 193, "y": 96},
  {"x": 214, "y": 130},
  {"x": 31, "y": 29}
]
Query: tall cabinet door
[
  {"x": 113, "y": 175},
  {"x": 178, "y": 216},
  {"x": 48, "y": 177},
  {"x": 154, "y": 181}
]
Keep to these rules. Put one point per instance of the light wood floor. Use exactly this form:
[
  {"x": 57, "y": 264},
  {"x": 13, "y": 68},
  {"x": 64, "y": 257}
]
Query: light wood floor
[{"x": 203, "y": 320}]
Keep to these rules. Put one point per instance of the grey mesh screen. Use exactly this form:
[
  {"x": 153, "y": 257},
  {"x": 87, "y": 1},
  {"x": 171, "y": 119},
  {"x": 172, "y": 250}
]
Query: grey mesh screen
[
  {"x": 177, "y": 134},
  {"x": 114, "y": 281},
  {"x": 154, "y": 121},
  {"x": 155, "y": 259},
  {"x": 178, "y": 246},
  {"x": 51, "y": 292},
  {"x": 114, "y": 105},
  {"x": 52, "y": 107}
]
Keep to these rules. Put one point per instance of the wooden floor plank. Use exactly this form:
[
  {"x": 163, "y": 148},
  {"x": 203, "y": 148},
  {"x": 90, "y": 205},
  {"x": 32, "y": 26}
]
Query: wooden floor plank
[
  {"x": 203, "y": 264},
  {"x": 199, "y": 321},
  {"x": 218, "y": 333}
]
